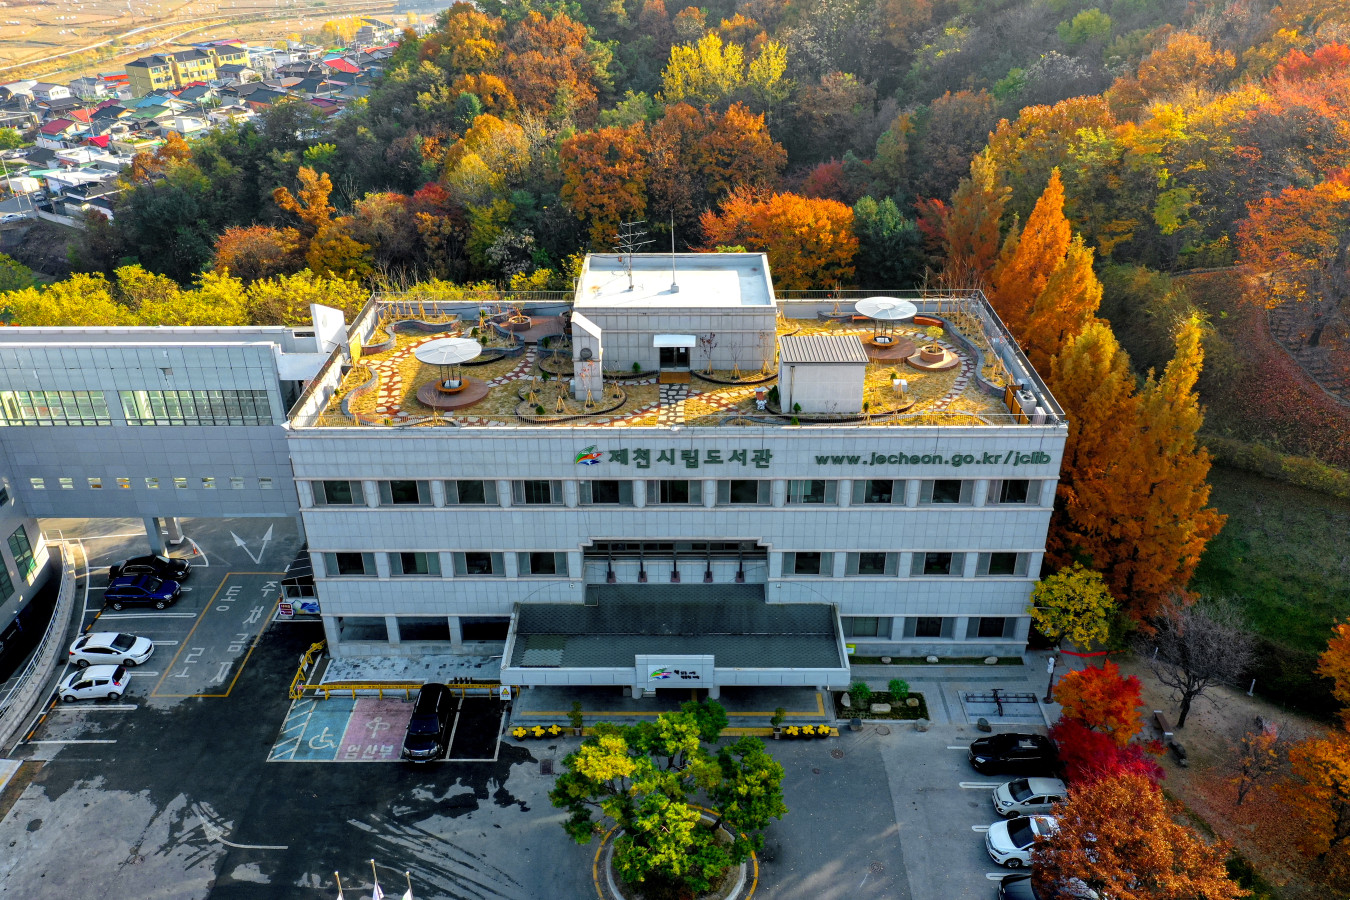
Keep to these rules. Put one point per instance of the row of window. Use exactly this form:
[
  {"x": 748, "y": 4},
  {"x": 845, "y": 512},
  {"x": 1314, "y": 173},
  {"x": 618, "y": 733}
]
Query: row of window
[
  {"x": 931, "y": 627},
  {"x": 206, "y": 483},
  {"x": 138, "y": 408},
  {"x": 21, "y": 549},
  {"x": 677, "y": 492},
  {"x": 554, "y": 563}
]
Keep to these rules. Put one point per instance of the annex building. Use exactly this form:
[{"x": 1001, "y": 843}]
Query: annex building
[{"x": 672, "y": 476}]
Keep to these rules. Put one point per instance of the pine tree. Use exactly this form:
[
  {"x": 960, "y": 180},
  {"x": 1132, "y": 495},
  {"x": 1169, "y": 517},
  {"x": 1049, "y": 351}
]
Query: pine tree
[{"x": 1031, "y": 257}]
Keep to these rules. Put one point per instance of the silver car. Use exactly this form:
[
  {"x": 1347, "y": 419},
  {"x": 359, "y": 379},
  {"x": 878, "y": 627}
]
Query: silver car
[{"x": 1027, "y": 796}]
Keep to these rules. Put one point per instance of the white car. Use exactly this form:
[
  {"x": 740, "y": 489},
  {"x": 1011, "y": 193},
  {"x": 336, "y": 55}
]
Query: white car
[
  {"x": 12, "y": 217},
  {"x": 1010, "y": 842},
  {"x": 94, "y": 683},
  {"x": 110, "y": 648},
  {"x": 1027, "y": 796}
]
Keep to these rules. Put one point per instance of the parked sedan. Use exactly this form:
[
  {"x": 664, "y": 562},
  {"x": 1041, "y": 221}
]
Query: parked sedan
[
  {"x": 142, "y": 590},
  {"x": 94, "y": 683},
  {"x": 1013, "y": 753},
  {"x": 1018, "y": 886},
  {"x": 110, "y": 648},
  {"x": 170, "y": 568},
  {"x": 1027, "y": 796},
  {"x": 1009, "y": 842},
  {"x": 428, "y": 735}
]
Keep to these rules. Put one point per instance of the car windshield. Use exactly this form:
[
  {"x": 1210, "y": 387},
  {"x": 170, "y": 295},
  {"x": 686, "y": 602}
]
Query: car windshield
[
  {"x": 119, "y": 673},
  {"x": 123, "y": 642},
  {"x": 152, "y": 584},
  {"x": 162, "y": 559},
  {"x": 425, "y": 724},
  {"x": 1020, "y": 833},
  {"x": 1020, "y": 790}
]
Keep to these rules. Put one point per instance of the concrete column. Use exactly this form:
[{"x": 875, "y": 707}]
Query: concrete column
[
  {"x": 840, "y": 563},
  {"x": 175, "y": 530},
  {"x": 981, "y": 492},
  {"x": 637, "y": 692},
  {"x": 571, "y": 493},
  {"x": 970, "y": 564},
  {"x": 504, "y": 494},
  {"x": 775, "y": 564},
  {"x": 576, "y": 566},
  {"x": 912, "y": 491},
  {"x": 153, "y": 536},
  {"x": 447, "y": 563},
  {"x": 510, "y": 565},
  {"x": 639, "y": 492},
  {"x": 372, "y": 492},
  {"x": 1034, "y": 564},
  {"x": 330, "y": 633},
  {"x": 304, "y": 491},
  {"x": 714, "y": 691},
  {"x": 316, "y": 564},
  {"x": 905, "y": 564},
  {"x": 382, "y": 568},
  {"x": 437, "y": 493},
  {"x": 845, "y": 492},
  {"x": 1048, "y": 492},
  {"x": 778, "y": 493},
  {"x": 959, "y": 628},
  {"x": 709, "y": 493},
  {"x": 391, "y": 626},
  {"x": 456, "y": 633}
]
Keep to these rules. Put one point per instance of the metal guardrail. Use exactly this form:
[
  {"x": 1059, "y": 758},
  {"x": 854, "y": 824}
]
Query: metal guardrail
[
  {"x": 296, "y": 690},
  {"x": 16, "y": 704},
  {"x": 309, "y": 663}
]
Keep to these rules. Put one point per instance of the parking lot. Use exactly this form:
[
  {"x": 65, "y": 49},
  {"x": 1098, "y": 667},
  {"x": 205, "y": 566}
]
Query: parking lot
[{"x": 206, "y": 780}]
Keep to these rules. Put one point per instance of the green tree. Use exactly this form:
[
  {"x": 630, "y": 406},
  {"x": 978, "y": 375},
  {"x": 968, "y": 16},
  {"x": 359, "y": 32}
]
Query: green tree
[
  {"x": 749, "y": 792},
  {"x": 1089, "y": 26},
  {"x": 890, "y": 248},
  {"x": 1073, "y": 603},
  {"x": 10, "y": 139},
  {"x": 14, "y": 275}
]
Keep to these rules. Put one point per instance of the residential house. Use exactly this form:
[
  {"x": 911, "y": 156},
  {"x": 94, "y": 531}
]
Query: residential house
[
  {"x": 187, "y": 126},
  {"x": 49, "y": 91},
  {"x": 176, "y": 69},
  {"x": 17, "y": 89},
  {"x": 58, "y": 133},
  {"x": 236, "y": 74},
  {"x": 89, "y": 87}
]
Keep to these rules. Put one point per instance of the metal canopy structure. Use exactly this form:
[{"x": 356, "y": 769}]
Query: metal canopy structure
[
  {"x": 884, "y": 313},
  {"x": 447, "y": 353}
]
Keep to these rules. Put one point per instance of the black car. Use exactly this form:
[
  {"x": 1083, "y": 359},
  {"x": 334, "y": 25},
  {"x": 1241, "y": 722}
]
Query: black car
[
  {"x": 1019, "y": 887},
  {"x": 169, "y": 568},
  {"x": 142, "y": 590},
  {"x": 1014, "y": 754},
  {"x": 429, "y": 729}
]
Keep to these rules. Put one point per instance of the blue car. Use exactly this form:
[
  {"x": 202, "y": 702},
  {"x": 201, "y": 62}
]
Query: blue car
[{"x": 141, "y": 590}]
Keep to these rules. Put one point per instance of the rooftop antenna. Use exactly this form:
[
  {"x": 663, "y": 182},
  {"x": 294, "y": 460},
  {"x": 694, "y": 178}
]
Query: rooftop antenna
[
  {"x": 627, "y": 242},
  {"x": 674, "y": 287}
]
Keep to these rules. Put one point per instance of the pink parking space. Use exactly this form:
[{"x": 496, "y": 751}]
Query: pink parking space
[{"x": 375, "y": 730}]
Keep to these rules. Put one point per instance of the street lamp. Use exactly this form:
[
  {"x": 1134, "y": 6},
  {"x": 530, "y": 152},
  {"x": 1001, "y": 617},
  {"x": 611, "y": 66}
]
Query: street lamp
[{"x": 1050, "y": 669}]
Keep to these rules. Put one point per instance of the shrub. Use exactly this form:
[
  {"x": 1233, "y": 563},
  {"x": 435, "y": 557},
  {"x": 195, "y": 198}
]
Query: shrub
[
  {"x": 861, "y": 693},
  {"x": 574, "y": 717},
  {"x": 773, "y": 395},
  {"x": 898, "y": 687},
  {"x": 779, "y": 715},
  {"x": 637, "y": 367}
]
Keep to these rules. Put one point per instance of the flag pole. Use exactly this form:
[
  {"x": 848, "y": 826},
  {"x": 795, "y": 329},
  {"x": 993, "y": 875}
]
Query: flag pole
[
  {"x": 339, "y": 884},
  {"x": 408, "y": 875},
  {"x": 377, "y": 894}
]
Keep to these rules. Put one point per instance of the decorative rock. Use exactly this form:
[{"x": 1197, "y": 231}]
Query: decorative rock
[
  {"x": 921, "y": 724},
  {"x": 855, "y": 724},
  {"x": 991, "y": 660},
  {"x": 881, "y": 707},
  {"x": 931, "y": 659},
  {"x": 845, "y": 701},
  {"x": 886, "y": 660},
  {"x": 983, "y": 724},
  {"x": 912, "y": 702}
]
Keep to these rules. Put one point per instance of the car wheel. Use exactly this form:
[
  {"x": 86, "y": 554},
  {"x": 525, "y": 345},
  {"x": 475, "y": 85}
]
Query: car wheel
[
  {"x": 160, "y": 604},
  {"x": 114, "y": 696},
  {"x": 69, "y": 698},
  {"x": 116, "y": 605},
  {"x": 1014, "y": 863},
  {"x": 82, "y": 663},
  {"x": 129, "y": 663}
]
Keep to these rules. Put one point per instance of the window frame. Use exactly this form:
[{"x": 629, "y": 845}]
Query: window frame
[
  {"x": 919, "y": 565},
  {"x": 46, "y": 408},
  {"x": 421, "y": 488},
  {"x": 454, "y": 493},
  {"x": 623, "y": 489},
  {"x": 334, "y": 561},
  {"x": 763, "y": 491},
  {"x": 525, "y": 563},
  {"x": 319, "y": 490},
  {"x": 521, "y": 488},
  {"x": 791, "y": 558},
  {"x": 398, "y": 563},
  {"x": 929, "y": 487},
  {"x": 798, "y": 493},
  {"x": 1020, "y": 563},
  {"x": 495, "y": 559}
]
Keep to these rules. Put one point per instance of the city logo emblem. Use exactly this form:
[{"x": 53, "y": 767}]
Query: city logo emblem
[
  {"x": 658, "y": 674},
  {"x": 588, "y": 457}
]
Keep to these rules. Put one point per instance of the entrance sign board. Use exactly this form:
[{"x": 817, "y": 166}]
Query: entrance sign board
[{"x": 674, "y": 671}]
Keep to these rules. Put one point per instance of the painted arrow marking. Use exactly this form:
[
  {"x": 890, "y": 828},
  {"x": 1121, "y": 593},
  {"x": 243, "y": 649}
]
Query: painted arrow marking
[{"x": 257, "y": 560}]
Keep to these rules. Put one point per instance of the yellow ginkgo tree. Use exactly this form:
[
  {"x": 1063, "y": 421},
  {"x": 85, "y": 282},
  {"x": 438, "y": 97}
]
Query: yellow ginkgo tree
[{"x": 1073, "y": 603}]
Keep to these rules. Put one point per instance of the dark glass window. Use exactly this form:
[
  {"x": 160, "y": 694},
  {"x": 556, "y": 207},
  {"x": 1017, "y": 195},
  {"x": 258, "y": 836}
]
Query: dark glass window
[
  {"x": 1002, "y": 563},
  {"x": 937, "y": 564},
  {"x": 947, "y": 491},
  {"x": 1015, "y": 491},
  {"x": 871, "y": 563},
  {"x": 928, "y": 626},
  {"x": 991, "y": 627}
]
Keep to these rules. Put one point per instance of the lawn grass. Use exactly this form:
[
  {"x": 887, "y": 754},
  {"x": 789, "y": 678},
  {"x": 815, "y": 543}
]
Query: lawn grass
[{"x": 1284, "y": 555}]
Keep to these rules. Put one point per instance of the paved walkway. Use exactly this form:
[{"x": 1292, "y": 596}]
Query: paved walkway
[{"x": 746, "y": 707}]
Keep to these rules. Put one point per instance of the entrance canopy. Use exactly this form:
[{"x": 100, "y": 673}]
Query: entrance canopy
[{"x": 674, "y": 340}]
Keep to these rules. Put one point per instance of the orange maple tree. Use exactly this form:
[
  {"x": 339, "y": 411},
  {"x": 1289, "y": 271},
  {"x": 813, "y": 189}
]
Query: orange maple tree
[
  {"x": 1115, "y": 835},
  {"x": 1030, "y": 257},
  {"x": 1103, "y": 701},
  {"x": 548, "y": 65},
  {"x": 1064, "y": 308},
  {"x": 605, "y": 175},
  {"x": 1334, "y": 664},
  {"x": 1298, "y": 237},
  {"x": 809, "y": 241},
  {"x": 328, "y": 246},
  {"x": 1319, "y": 795},
  {"x": 967, "y": 232},
  {"x": 258, "y": 251}
]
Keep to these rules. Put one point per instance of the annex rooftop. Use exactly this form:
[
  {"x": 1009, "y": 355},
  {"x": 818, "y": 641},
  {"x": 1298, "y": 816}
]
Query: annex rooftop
[{"x": 725, "y": 350}]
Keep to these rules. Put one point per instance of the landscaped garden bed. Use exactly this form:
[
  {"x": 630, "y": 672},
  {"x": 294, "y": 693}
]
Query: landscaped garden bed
[{"x": 897, "y": 702}]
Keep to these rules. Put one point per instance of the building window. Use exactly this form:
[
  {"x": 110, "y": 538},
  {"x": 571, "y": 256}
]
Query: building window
[
  {"x": 545, "y": 562},
  {"x": 928, "y": 626},
  {"x": 196, "y": 407},
  {"x": 478, "y": 564},
  {"x": 180, "y": 483},
  {"x": 809, "y": 562},
  {"x": 208, "y": 483},
  {"x": 744, "y": 492},
  {"x": 264, "y": 483},
  {"x": 124, "y": 483},
  {"x": 944, "y": 491},
  {"x": 236, "y": 482},
  {"x": 866, "y": 626},
  {"x": 1015, "y": 491},
  {"x": 415, "y": 563},
  {"x": 812, "y": 491},
  {"x": 417, "y": 628},
  {"x": 937, "y": 563},
  {"x": 404, "y": 493},
  {"x": 6, "y": 584},
  {"x": 38, "y": 484},
  {"x": 868, "y": 491},
  {"x": 22, "y": 551},
  {"x": 4, "y": 494},
  {"x": 536, "y": 493},
  {"x": 362, "y": 628},
  {"x": 675, "y": 492},
  {"x": 349, "y": 564},
  {"x": 1002, "y": 564},
  {"x": 872, "y": 563},
  {"x": 606, "y": 493},
  {"x": 67, "y": 484},
  {"x": 486, "y": 628},
  {"x": 337, "y": 493},
  {"x": 989, "y": 627},
  {"x": 471, "y": 493},
  {"x": 152, "y": 484},
  {"x": 54, "y": 408}
]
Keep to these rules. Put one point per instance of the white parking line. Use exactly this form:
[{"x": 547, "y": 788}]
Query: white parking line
[
  {"x": 996, "y": 876},
  {"x": 950, "y": 747},
  {"x": 119, "y": 707},
  {"x": 96, "y": 537},
  {"x": 980, "y": 828},
  {"x": 139, "y": 672},
  {"x": 979, "y": 785},
  {"x": 158, "y": 615},
  {"x": 73, "y": 742},
  {"x": 205, "y": 562},
  {"x": 87, "y": 588}
]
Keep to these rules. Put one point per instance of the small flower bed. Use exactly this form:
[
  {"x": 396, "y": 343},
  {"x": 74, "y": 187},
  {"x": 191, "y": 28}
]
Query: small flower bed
[
  {"x": 807, "y": 732},
  {"x": 521, "y": 733}
]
